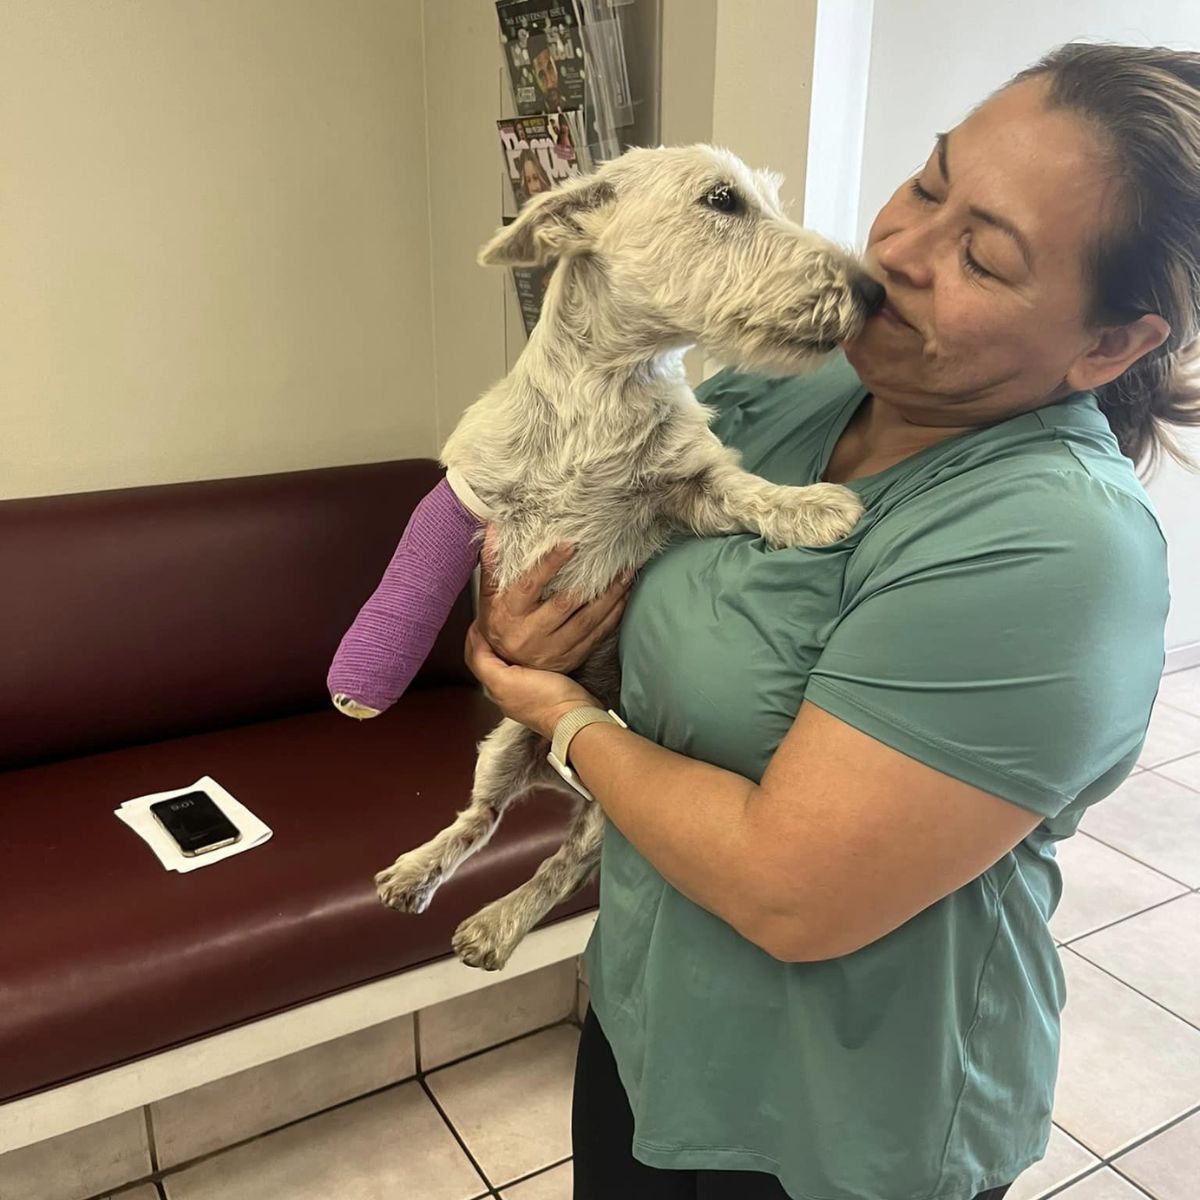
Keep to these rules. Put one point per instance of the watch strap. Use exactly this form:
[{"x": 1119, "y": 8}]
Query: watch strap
[
  {"x": 564, "y": 732},
  {"x": 571, "y": 723}
]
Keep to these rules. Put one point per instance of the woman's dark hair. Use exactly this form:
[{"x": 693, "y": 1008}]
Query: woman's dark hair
[
  {"x": 1146, "y": 104},
  {"x": 528, "y": 156}
]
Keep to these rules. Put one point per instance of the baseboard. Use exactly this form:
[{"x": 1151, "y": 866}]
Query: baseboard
[
  {"x": 85, "y": 1101},
  {"x": 1181, "y": 658}
]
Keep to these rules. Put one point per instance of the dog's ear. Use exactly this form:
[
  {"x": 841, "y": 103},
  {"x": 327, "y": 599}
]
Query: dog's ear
[{"x": 552, "y": 225}]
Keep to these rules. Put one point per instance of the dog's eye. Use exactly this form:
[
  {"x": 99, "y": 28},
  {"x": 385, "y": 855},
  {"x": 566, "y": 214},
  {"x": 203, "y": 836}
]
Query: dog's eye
[{"x": 723, "y": 198}]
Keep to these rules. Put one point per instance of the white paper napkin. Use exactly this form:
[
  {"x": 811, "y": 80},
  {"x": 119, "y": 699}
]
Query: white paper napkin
[{"x": 137, "y": 815}]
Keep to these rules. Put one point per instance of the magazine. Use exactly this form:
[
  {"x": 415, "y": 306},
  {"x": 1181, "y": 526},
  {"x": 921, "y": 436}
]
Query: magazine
[
  {"x": 544, "y": 52},
  {"x": 540, "y": 152},
  {"x": 530, "y": 283}
]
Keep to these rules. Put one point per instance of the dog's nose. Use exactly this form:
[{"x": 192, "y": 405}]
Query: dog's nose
[{"x": 870, "y": 294}]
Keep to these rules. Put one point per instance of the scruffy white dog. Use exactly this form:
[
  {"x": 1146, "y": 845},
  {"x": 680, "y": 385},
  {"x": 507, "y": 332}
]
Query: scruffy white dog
[{"x": 595, "y": 438}]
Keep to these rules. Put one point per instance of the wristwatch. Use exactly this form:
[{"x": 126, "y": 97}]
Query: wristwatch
[{"x": 566, "y": 729}]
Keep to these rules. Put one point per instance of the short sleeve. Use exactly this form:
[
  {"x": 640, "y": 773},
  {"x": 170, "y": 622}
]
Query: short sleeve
[
  {"x": 727, "y": 388},
  {"x": 1013, "y": 641}
]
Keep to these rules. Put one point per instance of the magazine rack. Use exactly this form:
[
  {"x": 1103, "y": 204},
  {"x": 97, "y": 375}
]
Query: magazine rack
[{"x": 582, "y": 83}]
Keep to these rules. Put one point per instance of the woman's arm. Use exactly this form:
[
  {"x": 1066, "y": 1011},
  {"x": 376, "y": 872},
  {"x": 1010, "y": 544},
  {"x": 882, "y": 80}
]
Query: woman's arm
[{"x": 843, "y": 840}]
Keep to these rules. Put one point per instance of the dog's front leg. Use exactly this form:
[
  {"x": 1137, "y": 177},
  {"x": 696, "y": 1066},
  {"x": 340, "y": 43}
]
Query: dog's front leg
[
  {"x": 488, "y": 938},
  {"x": 720, "y": 497},
  {"x": 509, "y": 759}
]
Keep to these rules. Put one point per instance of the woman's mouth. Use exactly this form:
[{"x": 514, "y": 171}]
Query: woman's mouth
[{"x": 889, "y": 314}]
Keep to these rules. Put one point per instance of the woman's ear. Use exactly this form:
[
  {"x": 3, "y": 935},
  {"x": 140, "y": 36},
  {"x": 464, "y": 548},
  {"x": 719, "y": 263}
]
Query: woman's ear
[
  {"x": 1115, "y": 350},
  {"x": 551, "y": 225}
]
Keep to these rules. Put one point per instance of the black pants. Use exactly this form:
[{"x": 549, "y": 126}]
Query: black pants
[{"x": 602, "y": 1135}]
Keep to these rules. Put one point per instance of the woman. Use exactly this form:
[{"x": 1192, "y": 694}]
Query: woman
[
  {"x": 533, "y": 178},
  {"x": 822, "y": 966}
]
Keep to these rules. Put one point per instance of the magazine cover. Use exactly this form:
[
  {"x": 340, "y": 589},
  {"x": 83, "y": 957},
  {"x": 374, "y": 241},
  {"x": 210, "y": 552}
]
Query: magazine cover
[
  {"x": 544, "y": 52},
  {"x": 530, "y": 283},
  {"x": 540, "y": 152}
]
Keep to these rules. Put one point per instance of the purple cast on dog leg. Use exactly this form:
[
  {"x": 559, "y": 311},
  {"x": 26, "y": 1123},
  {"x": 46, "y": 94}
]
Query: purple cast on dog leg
[{"x": 395, "y": 630}]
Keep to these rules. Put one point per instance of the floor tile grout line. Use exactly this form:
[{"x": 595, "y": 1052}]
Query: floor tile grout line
[
  {"x": 540, "y": 1171},
  {"x": 415, "y": 1078},
  {"x": 1110, "y": 1161},
  {"x": 1136, "y": 991},
  {"x": 1133, "y": 1183},
  {"x": 520, "y": 1037},
  {"x": 1141, "y": 912},
  {"x": 1057, "y": 1189},
  {"x": 1166, "y": 762},
  {"x": 1138, "y": 1143},
  {"x": 186, "y": 1163},
  {"x": 1176, "y": 707},
  {"x": 462, "y": 1144},
  {"x": 1132, "y": 857},
  {"x": 151, "y": 1142}
]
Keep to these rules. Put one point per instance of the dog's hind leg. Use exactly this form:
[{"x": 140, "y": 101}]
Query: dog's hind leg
[
  {"x": 509, "y": 759},
  {"x": 488, "y": 938}
]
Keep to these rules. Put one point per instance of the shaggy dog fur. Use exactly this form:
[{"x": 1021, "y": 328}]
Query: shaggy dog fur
[{"x": 595, "y": 438}]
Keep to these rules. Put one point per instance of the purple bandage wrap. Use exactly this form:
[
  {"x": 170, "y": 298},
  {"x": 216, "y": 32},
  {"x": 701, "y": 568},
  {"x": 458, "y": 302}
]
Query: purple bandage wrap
[{"x": 395, "y": 630}]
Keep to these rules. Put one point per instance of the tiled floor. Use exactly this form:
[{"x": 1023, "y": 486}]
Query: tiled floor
[
  {"x": 1127, "y": 1118},
  {"x": 494, "y": 1124},
  {"x": 1127, "y": 1122}
]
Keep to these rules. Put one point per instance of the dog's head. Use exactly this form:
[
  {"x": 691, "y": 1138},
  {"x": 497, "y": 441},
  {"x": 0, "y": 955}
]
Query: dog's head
[{"x": 688, "y": 244}]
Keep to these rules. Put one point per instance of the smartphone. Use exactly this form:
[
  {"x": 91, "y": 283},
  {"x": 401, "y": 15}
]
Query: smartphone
[{"x": 195, "y": 823}]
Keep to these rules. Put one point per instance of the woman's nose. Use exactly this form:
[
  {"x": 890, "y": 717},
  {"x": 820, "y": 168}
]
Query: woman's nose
[{"x": 906, "y": 253}]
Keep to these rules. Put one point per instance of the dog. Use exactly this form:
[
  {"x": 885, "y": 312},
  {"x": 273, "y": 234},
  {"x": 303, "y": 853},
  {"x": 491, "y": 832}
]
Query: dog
[{"x": 595, "y": 438}]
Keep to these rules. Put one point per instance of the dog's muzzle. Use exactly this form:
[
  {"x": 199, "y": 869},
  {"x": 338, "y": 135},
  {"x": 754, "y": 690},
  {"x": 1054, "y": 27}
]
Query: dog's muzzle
[{"x": 869, "y": 294}]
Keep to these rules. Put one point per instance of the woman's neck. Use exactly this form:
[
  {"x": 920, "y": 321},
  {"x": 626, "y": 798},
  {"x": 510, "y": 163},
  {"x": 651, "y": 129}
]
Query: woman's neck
[{"x": 877, "y": 437}]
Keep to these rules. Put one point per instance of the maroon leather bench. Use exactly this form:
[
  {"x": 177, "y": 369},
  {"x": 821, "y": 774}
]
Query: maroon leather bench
[{"x": 155, "y": 635}]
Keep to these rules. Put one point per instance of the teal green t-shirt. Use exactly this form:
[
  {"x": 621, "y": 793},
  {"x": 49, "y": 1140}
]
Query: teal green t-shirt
[{"x": 998, "y": 615}]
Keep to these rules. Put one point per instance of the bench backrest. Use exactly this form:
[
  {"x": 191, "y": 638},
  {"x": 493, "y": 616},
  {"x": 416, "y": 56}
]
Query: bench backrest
[{"x": 133, "y": 615}]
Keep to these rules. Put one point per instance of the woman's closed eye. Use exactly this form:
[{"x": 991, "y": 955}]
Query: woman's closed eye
[
  {"x": 972, "y": 266},
  {"x": 970, "y": 263},
  {"x": 922, "y": 194}
]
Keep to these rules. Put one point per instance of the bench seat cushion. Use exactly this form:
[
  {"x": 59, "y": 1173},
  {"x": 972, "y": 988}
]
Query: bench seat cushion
[{"x": 106, "y": 957}]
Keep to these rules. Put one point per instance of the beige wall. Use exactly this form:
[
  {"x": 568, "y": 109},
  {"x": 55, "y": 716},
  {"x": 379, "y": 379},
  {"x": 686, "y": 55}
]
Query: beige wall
[
  {"x": 467, "y": 95},
  {"x": 738, "y": 73},
  {"x": 235, "y": 239},
  {"x": 214, "y": 240},
  {"x": 763, "y": 86}
]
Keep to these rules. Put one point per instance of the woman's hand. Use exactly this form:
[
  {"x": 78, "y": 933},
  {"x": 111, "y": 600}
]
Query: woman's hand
[
  {"x": 551, "y": 635},
  {"x": 536, "y": 699}
]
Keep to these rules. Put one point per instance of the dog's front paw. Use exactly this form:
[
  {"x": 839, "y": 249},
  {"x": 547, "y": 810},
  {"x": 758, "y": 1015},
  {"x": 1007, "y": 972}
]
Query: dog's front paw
[
  {"x": 485, "y": 940},
  {"x": 352, "y": 708},
  {"x": 812, "y": 516},
  {"x": 408, "y": 884}
]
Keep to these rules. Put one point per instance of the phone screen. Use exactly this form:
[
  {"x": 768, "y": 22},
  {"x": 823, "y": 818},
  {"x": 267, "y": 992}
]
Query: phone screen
[{"x": 195, "y": 822}]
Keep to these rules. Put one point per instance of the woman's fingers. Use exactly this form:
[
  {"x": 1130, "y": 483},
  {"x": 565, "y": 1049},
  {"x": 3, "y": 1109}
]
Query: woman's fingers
[
  {"x": 556, "y": 633},
  {"x": 527, "y": 591},
  {"x": 482, "y": 660},
  {"x": 525, "y": 594},
  {"x": 607, "y": 626},
  {"x": 566, "y": 647},
  {"x": 584, "y": 621}
]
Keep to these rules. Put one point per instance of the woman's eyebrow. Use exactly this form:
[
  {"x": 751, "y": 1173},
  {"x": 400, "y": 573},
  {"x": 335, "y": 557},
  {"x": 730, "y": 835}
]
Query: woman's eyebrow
[{"x": 982, "y": 214}]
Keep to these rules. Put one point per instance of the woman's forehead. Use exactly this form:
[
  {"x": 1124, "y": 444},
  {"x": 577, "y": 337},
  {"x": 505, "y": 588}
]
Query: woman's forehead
[{"x": 1047, "y": 169}]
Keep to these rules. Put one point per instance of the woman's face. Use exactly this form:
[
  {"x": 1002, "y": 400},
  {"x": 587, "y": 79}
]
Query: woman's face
[
  {"x": 532, "y": 178},
  {"x": 983, "y": 254}
]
